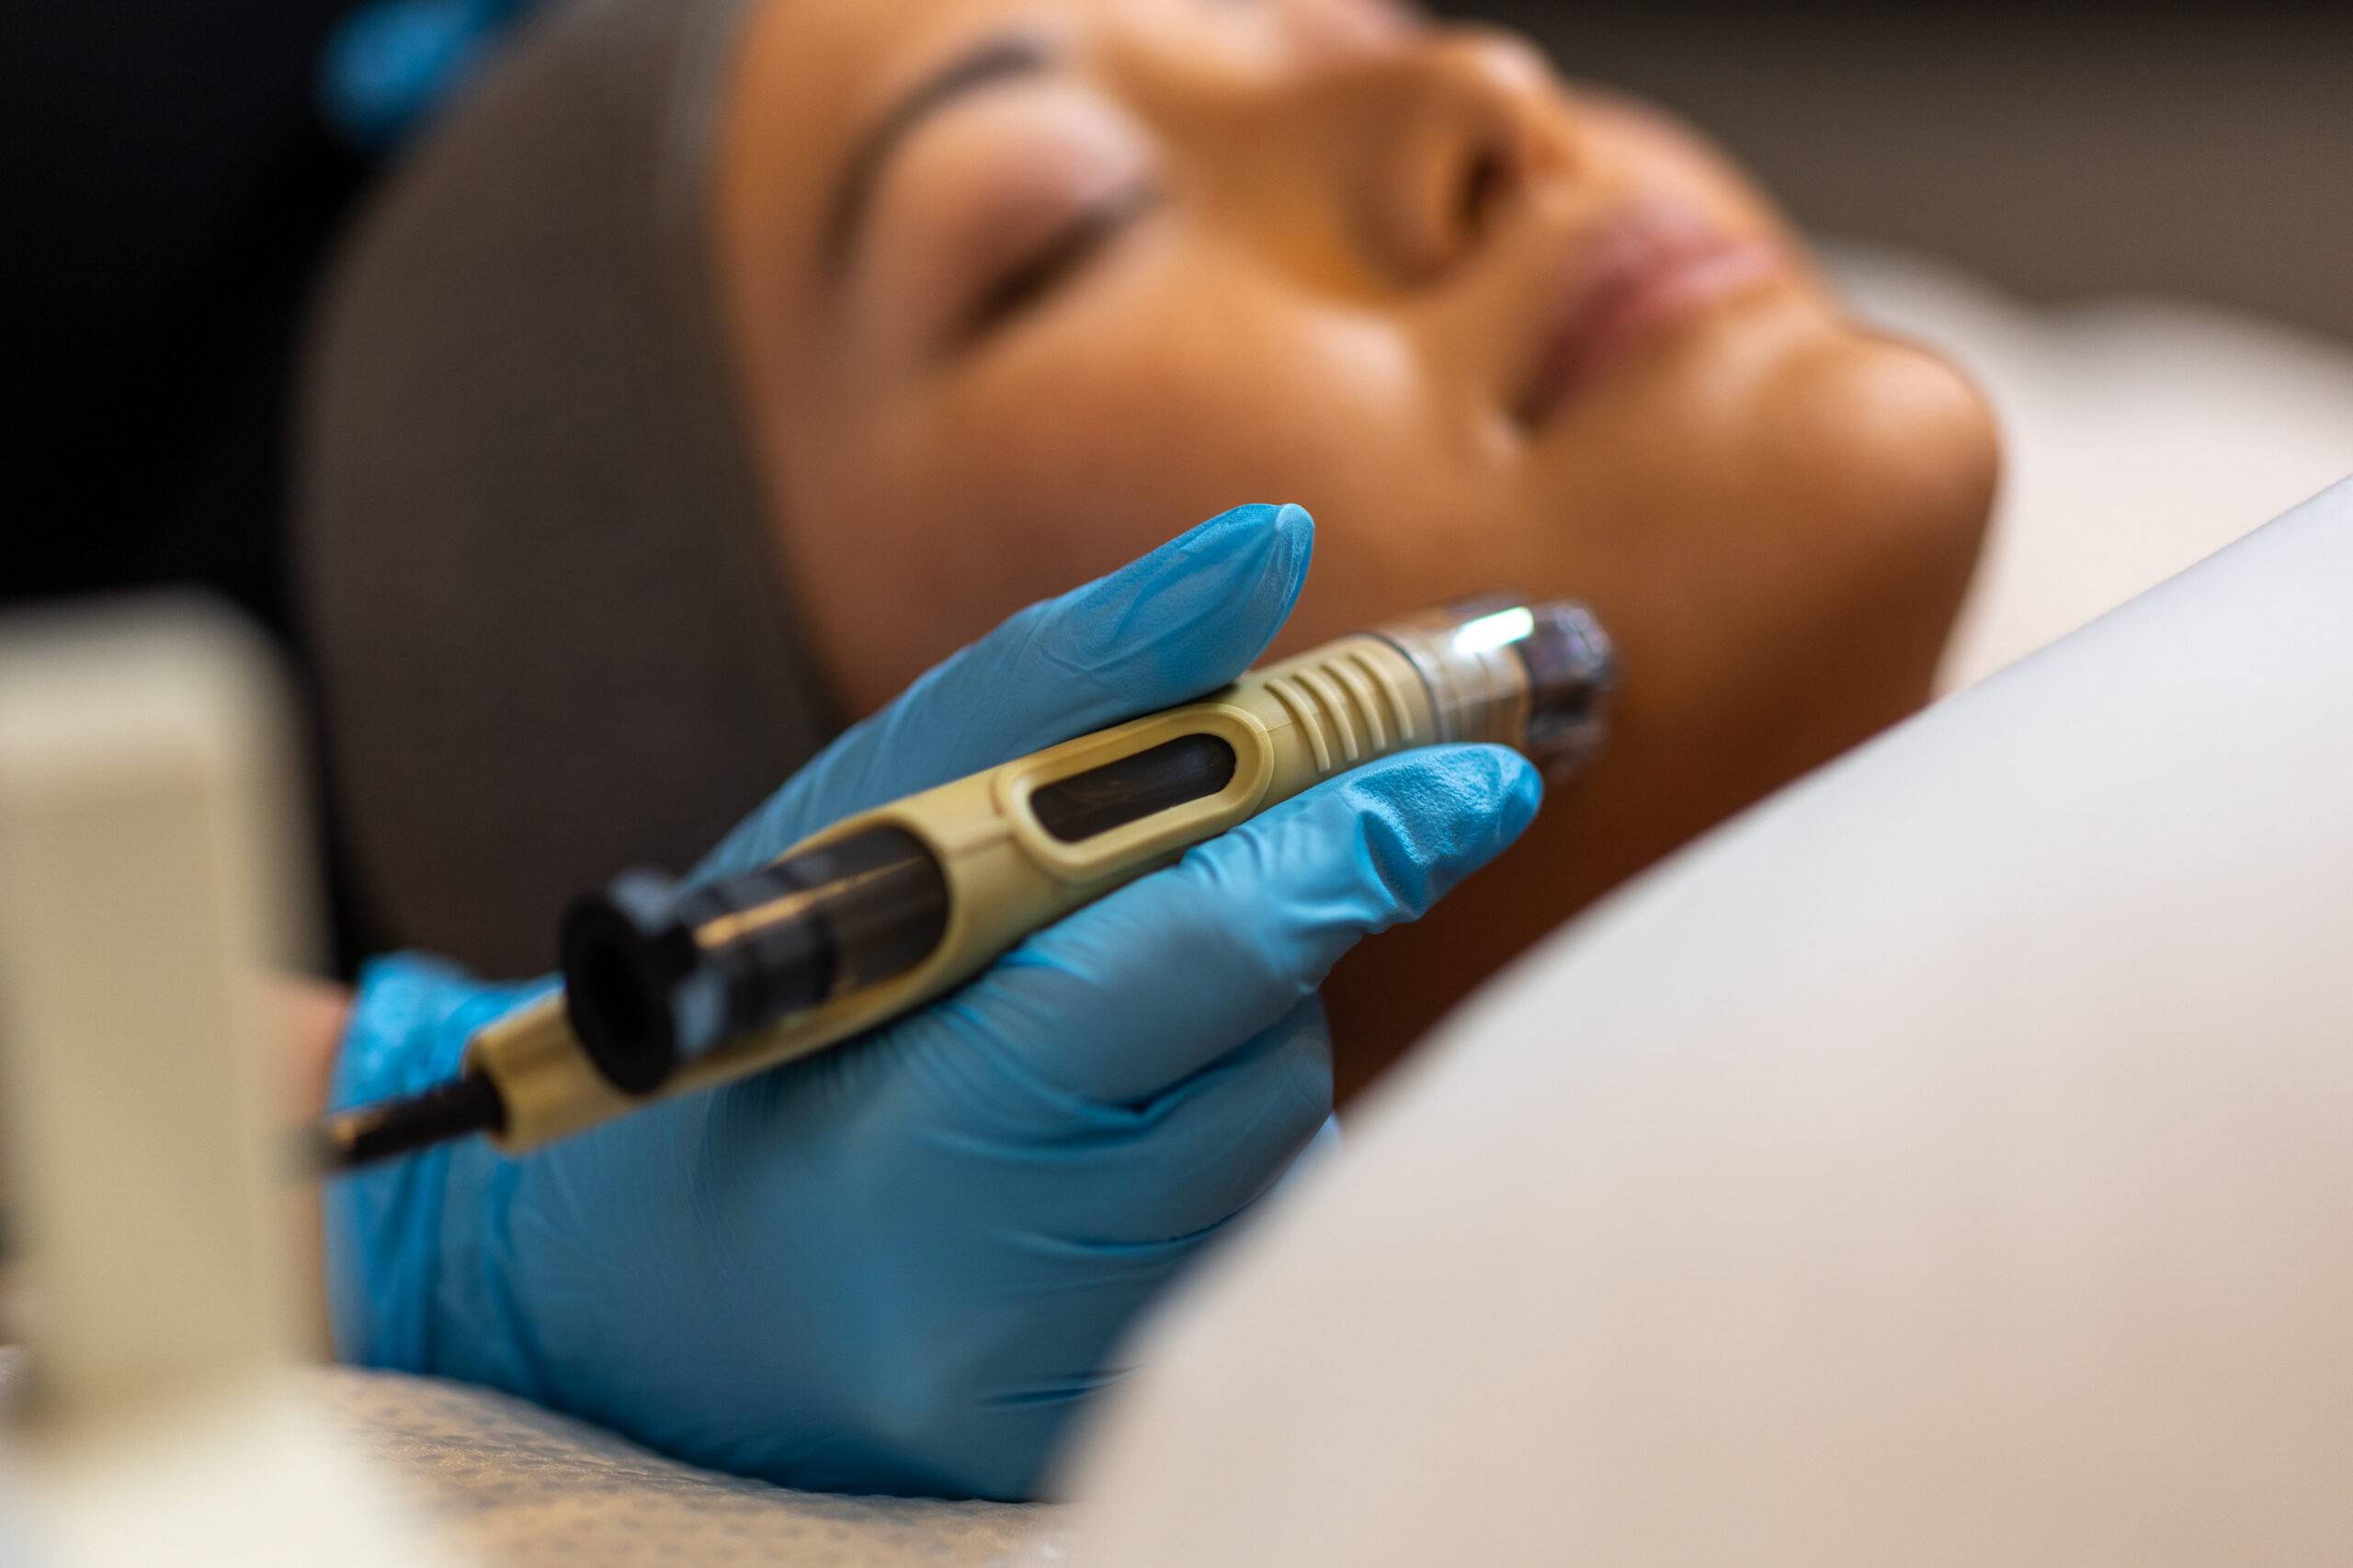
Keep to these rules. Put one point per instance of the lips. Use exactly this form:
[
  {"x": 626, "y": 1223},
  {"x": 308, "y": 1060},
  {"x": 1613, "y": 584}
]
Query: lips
[{"x": 1640, "y": 271}]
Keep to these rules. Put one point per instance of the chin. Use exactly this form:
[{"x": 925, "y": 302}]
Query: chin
[
  {"x": 1910, "y": 460},
  {"x": 1896, "y": 461},
  {"x": 1828, "y": 490}
]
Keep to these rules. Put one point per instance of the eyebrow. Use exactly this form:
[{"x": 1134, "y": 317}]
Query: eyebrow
[{"x": 995, "y": 60}]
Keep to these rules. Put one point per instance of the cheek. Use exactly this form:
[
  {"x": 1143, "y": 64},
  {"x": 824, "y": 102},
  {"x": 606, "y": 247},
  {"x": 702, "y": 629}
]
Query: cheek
[
  {"x": 1099, "y": 436},
  {"x": 1791, "y": 510}
]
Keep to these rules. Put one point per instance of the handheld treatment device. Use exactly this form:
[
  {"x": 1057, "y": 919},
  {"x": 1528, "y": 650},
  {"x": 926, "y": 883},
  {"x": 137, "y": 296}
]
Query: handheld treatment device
[{"x": 671, "y": 989}]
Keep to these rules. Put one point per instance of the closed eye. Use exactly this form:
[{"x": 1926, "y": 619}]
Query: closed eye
[{"x": 1026, "y": 284}]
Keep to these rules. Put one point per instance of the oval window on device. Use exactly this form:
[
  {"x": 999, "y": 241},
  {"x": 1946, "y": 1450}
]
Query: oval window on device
[{"x": 1190, "y": 768}]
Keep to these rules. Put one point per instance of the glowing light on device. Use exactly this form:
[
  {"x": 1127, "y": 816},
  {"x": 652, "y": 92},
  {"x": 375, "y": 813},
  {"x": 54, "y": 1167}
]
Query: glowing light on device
[{"x": 1490, "y": 633}]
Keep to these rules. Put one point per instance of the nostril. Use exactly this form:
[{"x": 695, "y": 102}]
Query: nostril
[{"x": 1485, "y": 180}]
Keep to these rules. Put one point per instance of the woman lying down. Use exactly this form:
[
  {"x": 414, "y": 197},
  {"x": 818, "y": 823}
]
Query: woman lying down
[{"x": 719, "y": 365}]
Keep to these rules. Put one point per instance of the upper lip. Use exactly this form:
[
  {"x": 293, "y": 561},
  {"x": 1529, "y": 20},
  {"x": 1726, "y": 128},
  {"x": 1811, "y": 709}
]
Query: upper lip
[{"x": 1633, "y": 269}]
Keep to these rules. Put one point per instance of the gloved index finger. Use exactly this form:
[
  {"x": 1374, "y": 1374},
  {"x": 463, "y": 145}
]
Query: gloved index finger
[{"x": 1182, "y": 621}]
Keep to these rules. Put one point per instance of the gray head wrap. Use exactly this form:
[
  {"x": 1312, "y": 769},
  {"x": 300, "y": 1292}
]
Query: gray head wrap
[{"x": 551, "y": 630}]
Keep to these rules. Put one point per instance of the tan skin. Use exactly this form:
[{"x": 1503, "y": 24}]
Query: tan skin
[{"x": 1195, "y": 252}]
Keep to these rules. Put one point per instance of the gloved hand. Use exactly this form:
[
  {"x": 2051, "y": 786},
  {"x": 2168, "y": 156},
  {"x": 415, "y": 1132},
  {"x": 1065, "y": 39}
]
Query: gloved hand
[{"x": 901, "y": 1264}]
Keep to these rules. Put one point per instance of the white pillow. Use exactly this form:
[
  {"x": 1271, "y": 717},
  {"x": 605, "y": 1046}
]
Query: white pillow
[{"x": 1949, "y": 1162}]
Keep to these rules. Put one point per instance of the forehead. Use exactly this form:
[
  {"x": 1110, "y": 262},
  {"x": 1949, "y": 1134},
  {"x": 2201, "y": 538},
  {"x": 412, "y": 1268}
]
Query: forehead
[
  {"x": 810, "y": 76},
  {"x": 808, "y": 64},
  {"x": 807, "y": 76}
]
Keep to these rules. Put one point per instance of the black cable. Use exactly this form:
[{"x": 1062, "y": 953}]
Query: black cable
[{"x": 365, "y": 1134}]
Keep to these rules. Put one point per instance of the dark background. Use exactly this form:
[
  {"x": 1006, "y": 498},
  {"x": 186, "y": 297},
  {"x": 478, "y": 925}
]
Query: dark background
[
  {"x": 170, "y": 190},
  {"x": 167, "y": 189}
]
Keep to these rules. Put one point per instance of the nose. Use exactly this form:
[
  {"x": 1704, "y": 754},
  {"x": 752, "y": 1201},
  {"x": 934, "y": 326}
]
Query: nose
[{"x": 1461, "y": 129}]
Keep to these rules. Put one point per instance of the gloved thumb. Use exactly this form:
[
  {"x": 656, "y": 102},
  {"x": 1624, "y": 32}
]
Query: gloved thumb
[{"x": 1155, "y": 982}]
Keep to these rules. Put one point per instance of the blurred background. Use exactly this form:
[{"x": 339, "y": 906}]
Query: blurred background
[
  {"x": 2057, "y": 150},
  {"x": 170, "y": 188}
]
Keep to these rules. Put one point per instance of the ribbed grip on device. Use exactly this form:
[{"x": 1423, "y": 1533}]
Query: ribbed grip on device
[{"x": 1347, "y": 702}]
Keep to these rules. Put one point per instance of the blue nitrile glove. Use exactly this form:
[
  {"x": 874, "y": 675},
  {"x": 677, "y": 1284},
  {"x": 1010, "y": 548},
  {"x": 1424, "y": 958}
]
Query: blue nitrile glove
[{"x": 901, "y": 1264}]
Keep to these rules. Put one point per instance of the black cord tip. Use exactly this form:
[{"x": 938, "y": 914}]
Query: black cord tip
[{"x": 365, "y": 1134}]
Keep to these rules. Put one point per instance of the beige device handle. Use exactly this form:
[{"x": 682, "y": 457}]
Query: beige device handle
[{"x": 1291, "y": 725}]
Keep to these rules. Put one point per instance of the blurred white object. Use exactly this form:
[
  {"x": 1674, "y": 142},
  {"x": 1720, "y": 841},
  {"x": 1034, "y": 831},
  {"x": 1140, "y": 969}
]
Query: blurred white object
[
  {"x": 1947, "y": 1163},
  {"x": 146, "y": 822},
  {"x": 146, "y": 817},
  {"x": 2138, "y": 436}
]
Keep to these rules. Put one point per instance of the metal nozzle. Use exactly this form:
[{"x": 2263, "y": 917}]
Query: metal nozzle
[{"x": 1533, "y": 675}]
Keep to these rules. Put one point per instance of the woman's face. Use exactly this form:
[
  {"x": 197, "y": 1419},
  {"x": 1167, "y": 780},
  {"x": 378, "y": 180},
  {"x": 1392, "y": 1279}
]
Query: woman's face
[{"x": 1022, "y": 287}]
